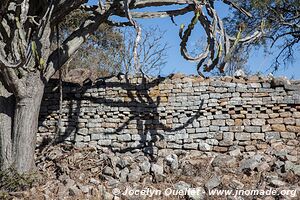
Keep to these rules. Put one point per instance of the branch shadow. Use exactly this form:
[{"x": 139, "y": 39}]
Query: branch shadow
[{"x": 143, "y": 111}]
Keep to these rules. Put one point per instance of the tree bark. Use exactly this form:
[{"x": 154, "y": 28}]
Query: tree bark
[
  {"x": 25, "y": 125},
  {"x": 6, "y": 115},
  {"x": 18, "y": 124}
]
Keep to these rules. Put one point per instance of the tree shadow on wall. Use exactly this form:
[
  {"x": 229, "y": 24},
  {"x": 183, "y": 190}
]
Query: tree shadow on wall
[{"x": 142, "y": 112}]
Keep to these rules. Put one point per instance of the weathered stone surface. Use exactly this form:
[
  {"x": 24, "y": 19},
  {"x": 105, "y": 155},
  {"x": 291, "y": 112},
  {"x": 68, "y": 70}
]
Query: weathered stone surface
[
  {"x": 275, "y": 121},
  {"x": 258, "y": 122},
  {"x": 145, "y": 166},
  {"x": 220, "y": 149},
  {"x": 223, "y": 161},
  {"x": 272, "y": 136},
  {"x": 108, "y": 171},
  {"x": 172, "y": 161},
  {"x": 296, "y": 169},
  {"x": 228, "y": 138},
  {"x": 123, "y": 175},
  {"x": 185, "y": 114},
  {"x": 202, "y": 130},
  {"x": 213, "y": 182},
  {"x": 134, "y": 175},
  {"x": 296, "y": 114},
  {"x": 263, "y": 167},
  {"x": 236, "y": 128},
  {"x": 288, "y": 135},
  {"x": 257, "y": 136},
  {"x": 266, "y": 128},
  {"x": 295, "y": 129},
  {"x": 83, "y": 131},
  {"x": 278, "y": 127},
  {"x": 277, "y": 183},
  {"x": 253, "y": 129},
  {"x": 239, "y": 73},
  {"x": 205, "y": 122},
  {"x": 218, "y": 122},
  {"x": 235, "y": 152},
  {"x": 242, "y": 136},
  {"x": 237, "y": 184},
  {"x": 289, "y": 121},
  {"x": 204, "y": 147},
  {"x": 250, "y": 148},
  {"x": 249, "y": 164},
  {"x": 157, "y": 170},
  {"x": 191, "y": 146},
  {"x": 181, "y": 185}
]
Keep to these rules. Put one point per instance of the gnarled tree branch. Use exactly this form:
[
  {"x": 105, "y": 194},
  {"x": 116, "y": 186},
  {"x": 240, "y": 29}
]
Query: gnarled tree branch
[{"x": 73, "y": 43}]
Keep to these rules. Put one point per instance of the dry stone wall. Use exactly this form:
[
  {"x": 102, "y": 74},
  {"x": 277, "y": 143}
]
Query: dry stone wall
[{"x": 176, "y": 113}]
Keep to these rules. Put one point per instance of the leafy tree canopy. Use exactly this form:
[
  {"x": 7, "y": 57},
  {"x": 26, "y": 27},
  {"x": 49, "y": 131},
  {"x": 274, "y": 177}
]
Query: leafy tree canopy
[{"x": 280, "y": 20}]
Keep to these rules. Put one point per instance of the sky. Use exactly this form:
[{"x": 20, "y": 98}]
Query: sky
[{"x": 258, "y": 61}]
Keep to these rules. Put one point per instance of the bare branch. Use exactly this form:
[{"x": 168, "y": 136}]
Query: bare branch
[
  {"x": 149, "y": 3},
  {"x": 218, "y": 49},
  {"x": 159, "y": 14},
  {"x": 138, "y": 35},
  {"x": 73, "y": 42},
  {"x": 12, "y": 81},
  {"x": 237, "y": 7},
  {"x": 118, "y": 24}
]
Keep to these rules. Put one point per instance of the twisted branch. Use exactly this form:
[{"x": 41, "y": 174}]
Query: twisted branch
[
  {"x": 220, "y": 46},
  {"x": 217, "y": 52}
]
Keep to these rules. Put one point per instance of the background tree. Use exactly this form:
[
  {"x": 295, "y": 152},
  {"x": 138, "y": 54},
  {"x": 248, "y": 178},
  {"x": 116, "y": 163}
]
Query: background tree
[
  {"x": 28, "y": 61},
  {"x": 101, "y": 53},
  {"x": 110, "y": 49},
  {"x": 281, "y": 24},
  {"x": 152, "y": 51}
]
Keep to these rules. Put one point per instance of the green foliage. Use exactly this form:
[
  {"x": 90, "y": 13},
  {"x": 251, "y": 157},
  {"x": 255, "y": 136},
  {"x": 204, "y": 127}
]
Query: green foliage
[
  {"x": 188, "y": 31},
  {"x": 281, "y": 22},
  {"x": 37, "y": 57}
]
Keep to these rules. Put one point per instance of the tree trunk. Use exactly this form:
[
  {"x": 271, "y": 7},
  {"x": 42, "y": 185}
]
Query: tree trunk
[
  {"x": 25, "y": 125},
  {"x": 6, "y": 116},
  {"x": 18, "y": 124}
]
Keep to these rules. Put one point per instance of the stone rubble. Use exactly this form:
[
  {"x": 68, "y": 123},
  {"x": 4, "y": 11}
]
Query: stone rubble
[
  {"x": 174, "y": 132},
  {"x": 87, "y": 173}
]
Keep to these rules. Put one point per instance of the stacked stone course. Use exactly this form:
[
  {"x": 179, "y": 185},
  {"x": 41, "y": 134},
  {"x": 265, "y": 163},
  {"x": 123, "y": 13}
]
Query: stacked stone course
[{"x": 177, "y": 113}]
